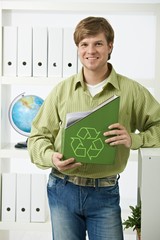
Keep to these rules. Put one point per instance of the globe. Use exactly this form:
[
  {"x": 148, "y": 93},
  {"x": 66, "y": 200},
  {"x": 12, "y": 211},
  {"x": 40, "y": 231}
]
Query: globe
[{"x": 22, "y": 111}]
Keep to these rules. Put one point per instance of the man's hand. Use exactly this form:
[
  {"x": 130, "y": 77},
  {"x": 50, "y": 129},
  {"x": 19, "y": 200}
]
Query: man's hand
[
  {"x": 118, "y": 135},
  {"x": 64, "y": 165}
]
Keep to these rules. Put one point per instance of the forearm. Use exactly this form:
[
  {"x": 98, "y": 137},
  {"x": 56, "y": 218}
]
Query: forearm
[
  {"x": 40, "y": 151},
  {"x": 148, "y": 138}
]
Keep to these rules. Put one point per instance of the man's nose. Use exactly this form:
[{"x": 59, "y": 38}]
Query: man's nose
[{"x": 91, "y": 49}]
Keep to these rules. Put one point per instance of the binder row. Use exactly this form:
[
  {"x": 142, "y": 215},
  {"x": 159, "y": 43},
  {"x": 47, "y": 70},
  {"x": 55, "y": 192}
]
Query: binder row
[
  {"x": 39, "y": 51},
  {"x": 24, "y": 198}
]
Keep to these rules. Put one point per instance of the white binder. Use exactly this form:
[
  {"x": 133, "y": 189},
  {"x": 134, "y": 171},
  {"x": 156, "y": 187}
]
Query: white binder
[
  {"x": 69, "y": 53},
  {"x": 24, "y": 51},
  {"x": 9, "y": 50},
  {"x": 55, "y": 52},
  {"x": 38, "y": 198},
  {"x": 40, "y": 51},
  {"x": 8, "y": 197},
  {"x": 79, "y": 65},
  {"x": 23, "y": 198}
]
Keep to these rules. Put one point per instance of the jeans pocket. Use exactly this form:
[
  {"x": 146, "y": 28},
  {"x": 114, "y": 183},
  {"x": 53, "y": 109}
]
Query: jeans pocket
[
  {"x": 111, "y": 192},
  {"x": 114, "y": 189},
  {"x": 52, "y": 181}
]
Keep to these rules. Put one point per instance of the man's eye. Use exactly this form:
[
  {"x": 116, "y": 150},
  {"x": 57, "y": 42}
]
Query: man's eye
[
  {"x": 98, "y": 44},
  {"x": 83, "y": 45}
]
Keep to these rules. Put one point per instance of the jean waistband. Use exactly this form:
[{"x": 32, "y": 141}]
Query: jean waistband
[{"x": 88, "y": 182}]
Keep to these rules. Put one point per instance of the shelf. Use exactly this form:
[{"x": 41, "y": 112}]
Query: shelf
[
  {"x": 76, "y": 6},
  {"x": 30, "y": 80},
  {"x": 9, "y": 151},
  {"x": 44, "y": 226}
]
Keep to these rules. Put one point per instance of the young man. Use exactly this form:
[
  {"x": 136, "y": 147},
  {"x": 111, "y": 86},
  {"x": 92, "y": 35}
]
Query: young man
[{"x": 85, "y": 197}]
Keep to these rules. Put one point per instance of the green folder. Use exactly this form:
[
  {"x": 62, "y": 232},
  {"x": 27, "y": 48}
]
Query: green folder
[{"x": 83, "y": 137}]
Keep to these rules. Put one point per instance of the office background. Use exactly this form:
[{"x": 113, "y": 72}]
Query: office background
[{"x": 135, "y": 54}]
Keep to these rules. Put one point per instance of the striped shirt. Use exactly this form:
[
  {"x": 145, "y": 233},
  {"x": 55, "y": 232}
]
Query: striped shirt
[{"x": 138, "y": 111}]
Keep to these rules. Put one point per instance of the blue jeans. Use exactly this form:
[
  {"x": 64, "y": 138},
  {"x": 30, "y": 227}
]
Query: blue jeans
[{"x": 76, "y": 209}]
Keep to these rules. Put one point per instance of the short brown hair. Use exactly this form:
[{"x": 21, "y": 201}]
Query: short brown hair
[{"x": 91, "y": 26}]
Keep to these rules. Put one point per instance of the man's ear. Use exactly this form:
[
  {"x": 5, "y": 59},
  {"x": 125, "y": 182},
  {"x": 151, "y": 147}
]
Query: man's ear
[{"x": 110, "y": 46}]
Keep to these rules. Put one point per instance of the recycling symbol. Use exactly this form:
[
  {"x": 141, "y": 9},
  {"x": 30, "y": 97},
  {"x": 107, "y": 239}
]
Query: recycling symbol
[{"x": 87, "y": 143}]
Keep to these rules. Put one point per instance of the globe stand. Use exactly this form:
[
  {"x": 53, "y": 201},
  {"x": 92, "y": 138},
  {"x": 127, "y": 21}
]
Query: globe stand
[{"x": 21, "y": 144}]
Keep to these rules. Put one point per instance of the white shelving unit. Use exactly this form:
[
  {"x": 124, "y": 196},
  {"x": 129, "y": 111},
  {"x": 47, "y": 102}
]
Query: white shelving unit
[
  {"x": 148, "y": 184},
  {"x": 78, "y": 9}
]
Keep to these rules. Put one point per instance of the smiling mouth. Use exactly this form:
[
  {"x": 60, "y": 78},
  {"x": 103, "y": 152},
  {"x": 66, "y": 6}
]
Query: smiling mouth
[{"x": 92, "y": 58}]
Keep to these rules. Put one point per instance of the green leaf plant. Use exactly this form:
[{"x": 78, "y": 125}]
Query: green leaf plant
[{"x": 134, "y": 220}]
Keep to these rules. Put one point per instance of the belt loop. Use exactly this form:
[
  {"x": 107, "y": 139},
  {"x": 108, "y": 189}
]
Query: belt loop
[
  {"x": 96, "y": 184},
  {"x": 65, "y": 179},
  {"x": 118, "y": 177}
]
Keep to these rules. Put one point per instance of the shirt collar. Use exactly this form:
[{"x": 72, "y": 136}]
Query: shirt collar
[
  {"x": 112, "y": 79},
  {"x": 79, "y": 80}
]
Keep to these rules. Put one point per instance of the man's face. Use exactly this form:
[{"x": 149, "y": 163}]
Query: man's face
[{"x": 93, "y": 52}]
